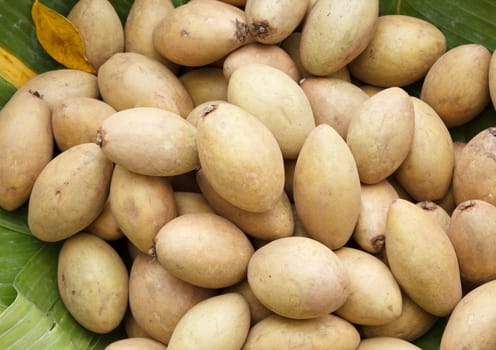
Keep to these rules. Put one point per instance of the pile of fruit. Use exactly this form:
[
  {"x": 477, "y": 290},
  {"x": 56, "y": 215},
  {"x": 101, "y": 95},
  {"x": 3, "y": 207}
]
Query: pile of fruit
[{"x": 275, "y": 180}]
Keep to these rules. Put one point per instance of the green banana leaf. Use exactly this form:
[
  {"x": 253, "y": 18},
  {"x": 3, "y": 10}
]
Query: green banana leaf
[{"x": 32, "y": 315}]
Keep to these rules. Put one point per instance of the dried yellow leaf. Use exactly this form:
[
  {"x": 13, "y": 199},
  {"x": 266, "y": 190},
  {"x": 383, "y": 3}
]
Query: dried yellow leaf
[
  {"x": 13, "y": 69},
  {"x": 60, "y": 38}
]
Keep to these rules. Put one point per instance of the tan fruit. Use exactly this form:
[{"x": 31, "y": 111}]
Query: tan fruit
[
  {"x": 142, "y": 18},
  {"x": 128, "y": 78},
  {"x": 380, "y": 134},
  {"x": 76, "y": 120},
  {"x": 26, "y": 141},
  {"x": 137, "y": 343},
  {"x": 382, "y": 343},
  {"x": 100, "y": 28},
  {"x": 272, "y": 224},
  {"x": 221, "y": 322},
  {"x": 182, "y": 37},
  {"x": 326, "y": 187},
  {"x": 69, "y": 193},
  {"x": 422, "y": 258},
  {"x": 375, "y": 296},
  {"x": 191, "y": 202},
  {"x": 105, "y": 225},
  {"x": 93, "y": 282},
  {"x": 56, "y": 85},
  {"x": 141, "y": 205},
  {"x": 276, "y": 332},
  {"x": 437, "y": 213},
  {"x": 158, "y": 99},
  {"x": 205, "y": 84},
  {"x": 280, "y": 281},
  {"x": 492, "y": 79},
  {"x": 431, "y": 153},
  {"x": 283, "y": 107},
  {"x": 271, "y": 55},
  {"x": 401, "y": 51},
  {"x": 132, "y": 328},
  {"x": 149, "y": 141},
  {"x": 257, "y": 310},
  {"x": 228, "y": 137},
  {"x": 370, "y": 229},
  {"x": 292, "y": 46},
  {"x": 473, "y": 176},
  {"x": 412, "y": 323},
  {"x": 371, "y": 90},
  {"x": 448, "y": 201},
  {"x": 472, "y": 232},
  {"x": 336, "y": 32},
  {"x": 333, "y": 101},
  {"x": 199, "y": 111},
  {"x": 471, "y": 323},
  {"x": 203, "y": 249},
  {"x": 157, "y": 299},
  {"x": 456, "y": 86},
  {"x": 271, "y": 22}
]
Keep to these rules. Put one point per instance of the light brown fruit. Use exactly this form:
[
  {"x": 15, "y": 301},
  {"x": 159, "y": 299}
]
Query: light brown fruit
[
  {"x": 93, "y": 282},
  {"x": 457, "y": 85},
  {"x": 280, "y": 281},
  {"x": 26, "y": 141}
]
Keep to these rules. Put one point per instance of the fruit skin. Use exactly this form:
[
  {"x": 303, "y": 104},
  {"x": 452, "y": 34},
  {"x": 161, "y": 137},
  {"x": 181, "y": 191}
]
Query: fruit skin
[
  {"x": 271, "y": 22},
  {"x": 141, "y": 205},
  {"x": 56, "y": 85},
  {"x": 375, "y": 296},
  {"x": 93, "y": 282},
  {"x": 129, "y": 78},
  {"x": 401, "y": 52},
  {"x": 413, "y": 323},
  {"x": 201, "y": 32},
  {"x": 149, "y": 141},
  {"x": 76, "y": 120},
  {"x": 473, "y": 176},
  {"x": 280, "y": 282},
  {"x": 26, "y": 141},
  {"x": 492, "y": 79},
  {"x": 471, "y": 324},
  {"x": 271, "y": 55},
  {"x": 283, "y": 106},
  {"x": 277, "y": 332},
  {"x": 336, "y": 32},
  {"x": 457, "y": 84},
  {"x": 142, "y": 18},
  {"x": 136, "y": 343},
  {"x": 227, "y": 139},
  {"x": 380, "y": 134},
  {"x": 275, "y": 223},
  {"x": 203, "y": 249},
  {"x": 382, "y": 343},
  {"x": 472, "y": 232},
  {"x": 326, "y": 187},
  {"x": 427, "y": 170},
  {"x": 221, "y": 322},
  {"x": 100, "y": 28},
  {"x": 157, "y": 299},
  {"x": 69, "y": 193},
  {"x": 422, "y": 258}
]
